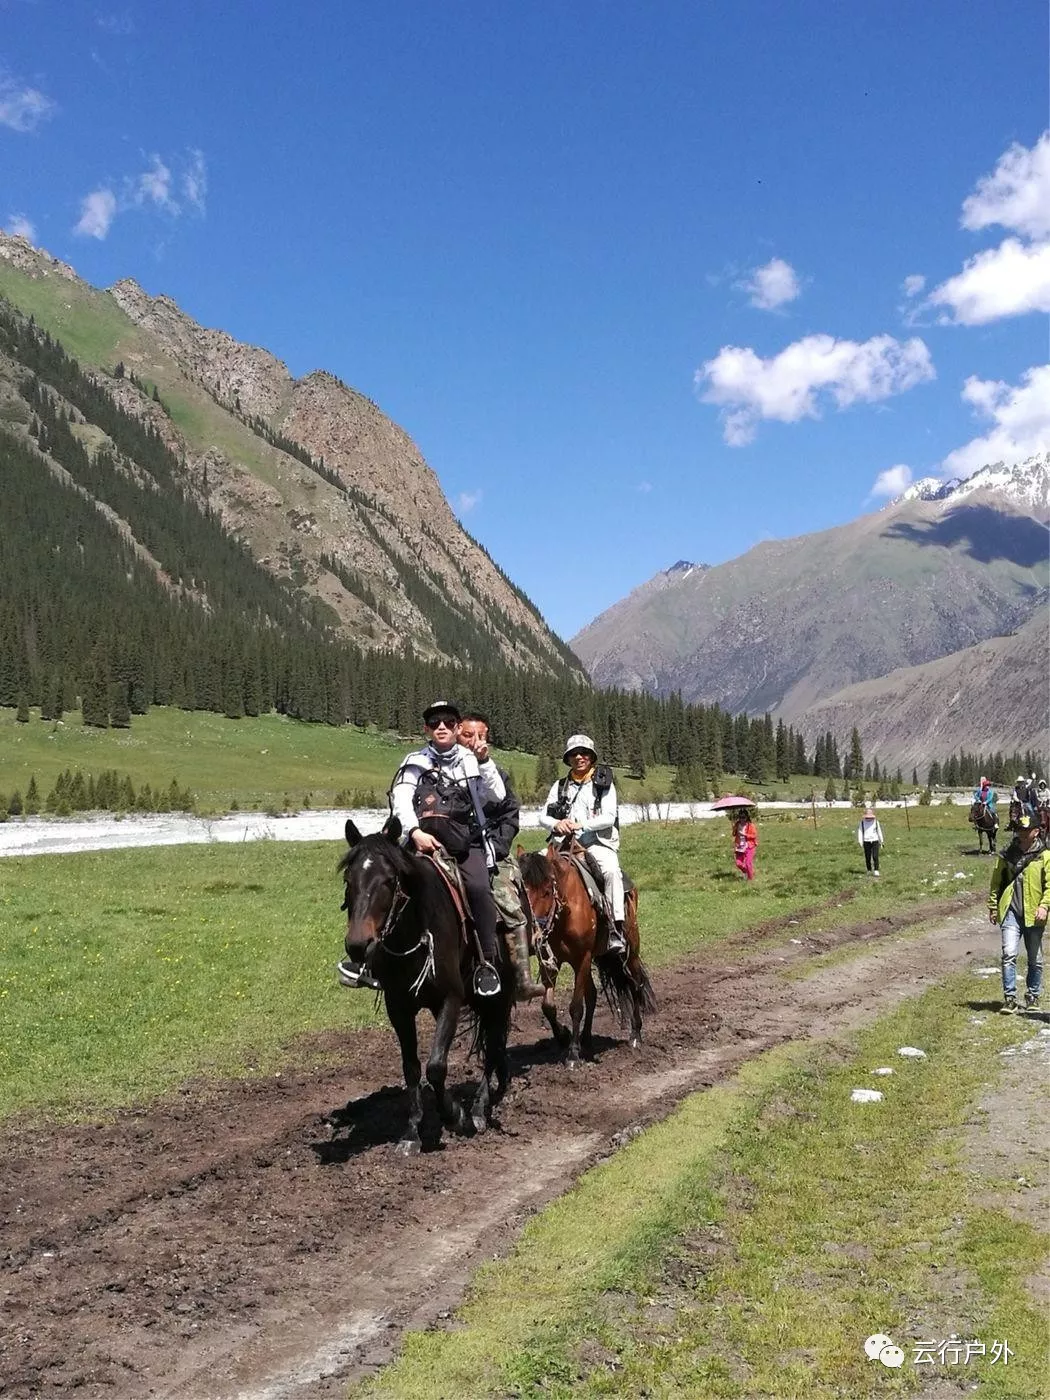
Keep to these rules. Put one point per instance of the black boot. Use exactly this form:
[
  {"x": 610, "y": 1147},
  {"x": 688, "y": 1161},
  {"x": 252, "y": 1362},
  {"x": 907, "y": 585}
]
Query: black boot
[{"x": 617, "y": 939}]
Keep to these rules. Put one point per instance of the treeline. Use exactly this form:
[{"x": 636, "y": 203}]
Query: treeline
[
  {"x": 74, "y": 791},
  {"x": 965, "y": 769}
]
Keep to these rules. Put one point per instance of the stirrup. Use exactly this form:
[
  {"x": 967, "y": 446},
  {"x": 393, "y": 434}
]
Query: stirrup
[
  {"x": 486, "y": 980},
  {"x": 352, "y": 974}
]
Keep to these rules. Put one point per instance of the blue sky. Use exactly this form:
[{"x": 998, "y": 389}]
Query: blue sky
[{"x": 632, "y": 275}]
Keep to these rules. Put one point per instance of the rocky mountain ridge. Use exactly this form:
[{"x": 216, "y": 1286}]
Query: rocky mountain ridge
[
  {"x": 792, "y": 623},
  {"x": 327, "y": 491}
]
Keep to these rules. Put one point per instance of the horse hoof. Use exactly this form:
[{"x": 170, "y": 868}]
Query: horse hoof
[
  {"x": 635, "y": 1042},
  {"x": 480, "y": 1123},
  {"x": 409, "y": 1147}
]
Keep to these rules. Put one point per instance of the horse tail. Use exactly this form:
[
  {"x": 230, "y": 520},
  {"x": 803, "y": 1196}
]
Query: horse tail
[{"x": 624, "y": 992}]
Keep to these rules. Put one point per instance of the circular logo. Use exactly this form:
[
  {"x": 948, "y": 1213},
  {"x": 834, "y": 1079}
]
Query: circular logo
[{"x": 875, "y": 1343}]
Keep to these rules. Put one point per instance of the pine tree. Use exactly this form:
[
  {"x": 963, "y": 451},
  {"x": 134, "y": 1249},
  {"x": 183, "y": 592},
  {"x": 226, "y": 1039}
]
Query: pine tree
[
  {"x": 856, "y": 754},
  {"x": 22, "y": 714},
  {"x": 32, "y": 802}
]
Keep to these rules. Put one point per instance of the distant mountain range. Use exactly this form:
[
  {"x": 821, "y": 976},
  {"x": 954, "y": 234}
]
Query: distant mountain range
[
  {"x": 811, "y": 628},
  {"x": 328, "y": 493}
]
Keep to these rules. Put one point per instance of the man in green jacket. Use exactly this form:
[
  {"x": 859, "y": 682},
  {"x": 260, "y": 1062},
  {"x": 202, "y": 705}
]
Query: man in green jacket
[{"x": 1019, "y": 901}]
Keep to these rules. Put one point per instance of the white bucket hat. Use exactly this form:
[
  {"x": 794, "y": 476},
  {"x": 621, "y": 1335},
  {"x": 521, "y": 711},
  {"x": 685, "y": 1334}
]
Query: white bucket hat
[{"x": 578, "y": 741}]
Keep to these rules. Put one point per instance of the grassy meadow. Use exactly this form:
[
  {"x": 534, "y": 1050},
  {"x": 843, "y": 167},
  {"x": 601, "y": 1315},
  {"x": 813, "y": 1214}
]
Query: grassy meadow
[
  {"x": 719, "y": 1271},
  {"x": 125, "y": 973}
]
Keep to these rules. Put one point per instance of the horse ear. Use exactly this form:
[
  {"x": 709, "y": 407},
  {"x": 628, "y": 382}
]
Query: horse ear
[
  {"x": 519, "y": 851},
  {"x": 392, "y": 829},
  {"x": 353, "y": 836}
]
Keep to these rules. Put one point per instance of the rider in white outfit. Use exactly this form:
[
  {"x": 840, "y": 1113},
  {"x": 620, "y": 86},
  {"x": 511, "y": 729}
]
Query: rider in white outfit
[{"x": 576, "y": 805}]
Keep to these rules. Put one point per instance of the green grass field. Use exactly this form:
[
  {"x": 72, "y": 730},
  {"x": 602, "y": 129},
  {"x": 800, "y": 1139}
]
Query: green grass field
[
  {"x": 124, "y": 973},
  {"x": 719, "y": 1271}
]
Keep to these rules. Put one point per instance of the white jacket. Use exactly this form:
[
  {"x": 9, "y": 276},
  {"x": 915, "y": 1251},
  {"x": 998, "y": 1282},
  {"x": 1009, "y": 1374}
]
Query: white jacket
[
  {"x": 458, "y": 764},
  {"x": 581, "y": 809},
  {"x": 869, "y": 830}
]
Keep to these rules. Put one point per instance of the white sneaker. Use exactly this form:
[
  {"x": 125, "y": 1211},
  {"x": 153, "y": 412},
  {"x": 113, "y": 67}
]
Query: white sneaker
[{"x": 875, "y": 873}]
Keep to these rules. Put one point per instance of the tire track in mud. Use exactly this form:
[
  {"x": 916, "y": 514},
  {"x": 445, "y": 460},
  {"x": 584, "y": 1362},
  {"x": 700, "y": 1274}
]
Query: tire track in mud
[{"x": 260, "y": 1240}]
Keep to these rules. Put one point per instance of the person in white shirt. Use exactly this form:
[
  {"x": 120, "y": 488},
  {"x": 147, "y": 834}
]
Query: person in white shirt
[
  {"x": 438, "y": 795},
  {"x": 583, "y": 805},
  {"x": 869, "y": 835}
]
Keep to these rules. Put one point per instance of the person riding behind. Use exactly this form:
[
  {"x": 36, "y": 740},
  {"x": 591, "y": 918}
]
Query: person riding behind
[
  {"x": 502, "y": 820},
  {"x": 583, "y": 805},
  {"x": 986, "y": 793}
]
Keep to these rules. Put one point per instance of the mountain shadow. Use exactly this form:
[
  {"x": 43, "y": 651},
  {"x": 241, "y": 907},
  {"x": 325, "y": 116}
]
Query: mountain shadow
[{"x": 987, "y": 534}]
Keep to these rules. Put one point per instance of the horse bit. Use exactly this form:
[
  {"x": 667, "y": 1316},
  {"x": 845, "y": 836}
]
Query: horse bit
[{"x": 397, "y": 907}]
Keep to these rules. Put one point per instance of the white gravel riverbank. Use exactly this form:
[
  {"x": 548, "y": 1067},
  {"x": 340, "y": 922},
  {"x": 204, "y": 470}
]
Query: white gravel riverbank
[{"x": 33, "y": 836}]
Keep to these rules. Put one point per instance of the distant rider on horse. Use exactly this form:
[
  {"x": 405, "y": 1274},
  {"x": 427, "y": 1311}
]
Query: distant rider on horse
[
  {"x": 583, "y": 805},
  {"x": 986, "y": 795}
]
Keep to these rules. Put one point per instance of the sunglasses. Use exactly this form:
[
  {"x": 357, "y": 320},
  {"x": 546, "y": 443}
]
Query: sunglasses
[{"x": 442, "y": 722}]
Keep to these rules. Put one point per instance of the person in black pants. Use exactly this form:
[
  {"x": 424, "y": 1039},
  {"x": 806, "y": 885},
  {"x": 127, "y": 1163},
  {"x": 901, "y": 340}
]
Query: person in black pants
[{"x": 869, "y": 834}]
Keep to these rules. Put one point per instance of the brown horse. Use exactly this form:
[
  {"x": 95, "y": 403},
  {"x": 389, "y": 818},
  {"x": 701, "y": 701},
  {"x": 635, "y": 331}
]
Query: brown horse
[{"x": 570, "y": 927}]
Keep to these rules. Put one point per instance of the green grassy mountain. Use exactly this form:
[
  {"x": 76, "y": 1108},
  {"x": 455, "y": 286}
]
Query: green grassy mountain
[{"x": 325, "y": 492}]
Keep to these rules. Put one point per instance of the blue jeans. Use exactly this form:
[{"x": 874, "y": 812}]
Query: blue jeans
[{"x": 1032, "y": 934}]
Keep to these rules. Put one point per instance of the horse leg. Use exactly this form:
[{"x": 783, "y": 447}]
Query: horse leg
[
  {"x": 404, "y": 1023},
  {"x": 452, "y": 1113},
  {"x": 550, "y": 1010},
  {"x": 576, "y": 1005},
  {"x": 635, "y": 971},
  {"x": 496, "y": 1063},
  {"x": 590, "y": 1001}
]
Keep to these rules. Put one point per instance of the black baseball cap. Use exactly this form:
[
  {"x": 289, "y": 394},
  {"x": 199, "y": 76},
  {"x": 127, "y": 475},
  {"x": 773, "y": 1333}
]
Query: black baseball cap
[{"x": 440, "y": 707}]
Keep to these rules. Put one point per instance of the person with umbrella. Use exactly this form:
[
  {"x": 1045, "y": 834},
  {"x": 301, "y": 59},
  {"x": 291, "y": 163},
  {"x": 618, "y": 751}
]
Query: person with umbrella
[{"x": 740, "y": 812}]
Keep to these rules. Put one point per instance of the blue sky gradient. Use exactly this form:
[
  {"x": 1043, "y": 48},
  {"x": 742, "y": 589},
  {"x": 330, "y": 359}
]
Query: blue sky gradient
[{"x": 523, "y": 230}]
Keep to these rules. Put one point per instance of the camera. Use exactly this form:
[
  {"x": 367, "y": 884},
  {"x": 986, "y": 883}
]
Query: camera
[{"x": 559, "y": 810}]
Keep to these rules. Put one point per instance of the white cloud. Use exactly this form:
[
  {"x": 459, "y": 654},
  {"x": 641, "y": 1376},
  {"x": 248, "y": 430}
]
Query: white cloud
[
  {"x": 97, "y": 212},
  {"x": 892, "y": 482},
  {"x": 913, "y": 285},
  {"x": 21, "y": 227},
  {"x": 787, "y": 386},
  {"x": 155, "y": 185},
  {"x": 23, "y": 108},
  {"x": 195, "y": 180},
  {"x": 1010, "y": 280},
  {"x": 645, "y": 487},
  {"x": 1020, "y": 422},
  {"x": 773, "y": 285},
  {"x": 1016, "y": 195},
  {"x": 467, "y": 500}
]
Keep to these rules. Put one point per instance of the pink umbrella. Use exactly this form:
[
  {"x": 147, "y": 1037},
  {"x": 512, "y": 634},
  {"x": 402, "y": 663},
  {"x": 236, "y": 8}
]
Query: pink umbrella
[{"x": 725, "y": 804}]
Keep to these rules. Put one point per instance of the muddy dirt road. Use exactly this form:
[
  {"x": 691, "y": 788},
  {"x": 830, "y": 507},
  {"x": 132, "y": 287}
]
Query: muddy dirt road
[{"x": 260, "y": 1240}]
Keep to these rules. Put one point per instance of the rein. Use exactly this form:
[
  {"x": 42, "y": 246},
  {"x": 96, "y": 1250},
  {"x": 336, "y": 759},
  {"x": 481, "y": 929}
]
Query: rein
[
  {"x": 547, "y": 922},
  {"x": 398, "y": 904}
]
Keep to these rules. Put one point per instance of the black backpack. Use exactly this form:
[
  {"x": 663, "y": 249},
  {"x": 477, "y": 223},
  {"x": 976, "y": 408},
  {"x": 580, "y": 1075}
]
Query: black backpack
[{"x": 445, "y": 811}]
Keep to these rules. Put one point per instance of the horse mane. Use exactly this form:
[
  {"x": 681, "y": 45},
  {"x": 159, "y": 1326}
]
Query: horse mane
[{"x": 534, "y": 868}]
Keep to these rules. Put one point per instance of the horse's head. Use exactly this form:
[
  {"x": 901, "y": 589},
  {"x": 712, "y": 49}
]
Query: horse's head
[
  {"x": 541, "y": 888},
  {"x": 373, "y": 871}
]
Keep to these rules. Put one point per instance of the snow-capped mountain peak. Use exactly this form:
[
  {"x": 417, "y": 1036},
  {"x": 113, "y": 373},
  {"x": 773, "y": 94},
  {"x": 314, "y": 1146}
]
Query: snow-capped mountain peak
[{"x": 1025, "y": 483}]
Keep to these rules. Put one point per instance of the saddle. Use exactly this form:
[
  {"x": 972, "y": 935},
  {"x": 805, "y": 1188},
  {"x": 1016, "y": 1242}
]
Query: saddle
[
  {"x": 448, "y": 869},
  {"x": 592, "y": 882}
]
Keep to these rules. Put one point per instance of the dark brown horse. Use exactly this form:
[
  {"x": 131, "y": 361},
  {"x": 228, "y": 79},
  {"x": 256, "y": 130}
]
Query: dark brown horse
[
  {"x": 570, "y": 926},
  {"x": 985, "y": 822},
  {"x": 402, "y": 920}
]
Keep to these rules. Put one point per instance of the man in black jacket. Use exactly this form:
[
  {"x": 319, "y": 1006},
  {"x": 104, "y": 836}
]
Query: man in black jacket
[{"x": 501, "y": 824}]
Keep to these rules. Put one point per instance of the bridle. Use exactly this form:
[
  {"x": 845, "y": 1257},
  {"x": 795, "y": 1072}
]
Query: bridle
[
  {"x": 547, "y": 921},
  {"x": 398, "y": 903}
]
